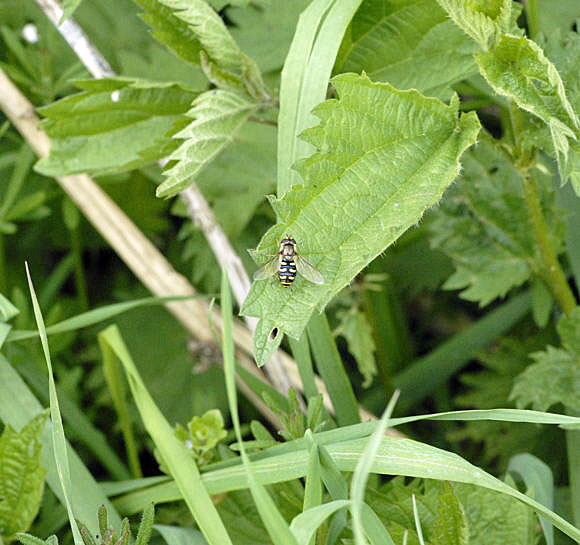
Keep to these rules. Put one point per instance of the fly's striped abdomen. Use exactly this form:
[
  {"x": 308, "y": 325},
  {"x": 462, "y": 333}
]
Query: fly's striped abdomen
[{"x": 287, "y": 272}]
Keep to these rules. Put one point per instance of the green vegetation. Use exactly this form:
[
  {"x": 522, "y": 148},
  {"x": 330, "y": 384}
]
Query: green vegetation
[{"x": 425, "y": 156}]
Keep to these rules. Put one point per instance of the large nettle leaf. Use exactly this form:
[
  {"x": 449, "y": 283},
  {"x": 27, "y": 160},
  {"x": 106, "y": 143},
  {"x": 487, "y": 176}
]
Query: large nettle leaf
[
  {"x": 412, "y": 44},
  {"x": 555, "y": 375},
  {"x": 483, "y": 226},
  {"x": 218, "y": 116},
  {"x": 114, "y": 125},
  {"x": 21, "y": 477},
  {"x": 384, "y": 157}
]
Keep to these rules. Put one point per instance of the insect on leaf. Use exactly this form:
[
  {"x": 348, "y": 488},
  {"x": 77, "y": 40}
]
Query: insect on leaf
[{"x": 384, "y": 157}]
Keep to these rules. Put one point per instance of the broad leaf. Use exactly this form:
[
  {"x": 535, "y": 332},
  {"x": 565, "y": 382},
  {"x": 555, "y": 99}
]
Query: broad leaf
[
  {"x": 21, "y": 476},
  {"x": 217, "y": 117},
  {"x": 484, "y": 227},
  {"x": 481, "y": 19},
  {"x": 564, "y": 52},
  {"x": 112, "y": 125},
  {"x": 410, "y": 44},
  {"x": 221, "y": 55},
  {"x": 385, "y": 157},
  {"x": 517, "y": 68},
  {"x": 170, "y": 30}
]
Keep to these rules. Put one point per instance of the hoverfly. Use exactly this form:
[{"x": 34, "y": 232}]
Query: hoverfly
[{"x": 286, "y": 263}]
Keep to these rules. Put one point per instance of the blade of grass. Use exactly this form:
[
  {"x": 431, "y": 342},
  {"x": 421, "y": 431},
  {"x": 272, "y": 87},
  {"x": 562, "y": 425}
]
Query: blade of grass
[
  {"x": 97, "y": 315},
  {"x": 305, "y": 78},
  {"x": 332, "y": 371},
  {"x": 362, "y": 471},
  {"x": 269, "y": 513},
  {"x": 305, "y": 524},
  {"x": 425, "y": 375},
  {"x": 58, "y": 437},
  {"x": 174, "y": 454},
  {"x": 17, "y": 406},
  {"x": 312, "y": 486}
]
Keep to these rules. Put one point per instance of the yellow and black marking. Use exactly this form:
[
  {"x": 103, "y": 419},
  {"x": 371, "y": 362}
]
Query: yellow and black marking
[{"x": 287, "y": 272}]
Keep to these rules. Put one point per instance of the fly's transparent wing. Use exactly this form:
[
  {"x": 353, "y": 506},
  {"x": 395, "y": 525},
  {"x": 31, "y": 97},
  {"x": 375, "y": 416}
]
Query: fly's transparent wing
[
  {"x": 307, "y": 270},
  {"x": 267, "y": 269}
]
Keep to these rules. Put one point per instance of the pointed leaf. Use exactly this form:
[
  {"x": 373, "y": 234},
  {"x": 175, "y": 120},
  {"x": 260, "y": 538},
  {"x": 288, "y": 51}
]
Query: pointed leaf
[
  {"x": 517, "y": 68},
  {"x": 218, "y": 116},
  {"x": 112, "y": 126},
  {"x": 481, "y": 19},
  {"x": 171, "y": 30},
  {"x": 385, "y": 157}
]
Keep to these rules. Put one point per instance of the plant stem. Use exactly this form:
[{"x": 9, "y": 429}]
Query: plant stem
[{"x": 551, "y": 271}]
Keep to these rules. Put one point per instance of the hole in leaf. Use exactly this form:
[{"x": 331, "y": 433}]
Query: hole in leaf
[
  {"x": 493, "y": 169},
  {"x": 273, "y": 333}
]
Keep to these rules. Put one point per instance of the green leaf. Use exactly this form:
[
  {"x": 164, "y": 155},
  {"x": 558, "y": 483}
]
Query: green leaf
[
  {"x": 112, "y": 126},
  {"x": 21, "y": 476},
  {"x": 417, "y": 142},
  {"x": 450, "y": 526},
  {"x": 483, "y": 226},
  {"x": 564, "y": 51},
  {"x": 218, "y": 116},
  {"x": 481, "y": 19},
  {"x": 170, "y": 30},
  {"x": 410, "y": 44},
  {"x": 517, "y": 68},
  {"x": 495, "y": 519},
  {"x": 355, "y": 328},
  {"x": 553, "y": 378},
  {"x": 218, "y": 44}
]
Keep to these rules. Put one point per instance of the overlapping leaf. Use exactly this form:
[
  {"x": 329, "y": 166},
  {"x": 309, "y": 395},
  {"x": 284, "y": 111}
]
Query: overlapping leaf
[
  {"x": 217, "y": 117},
  {"x": 112, "y": 125},
  {"x": 385, "y": 157},
  {"x": 483, "y": 226},
  {"x": 410, "y": 44},
  {"x": 481, "y": 19},
  {"x": 21, "y": 476}
]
